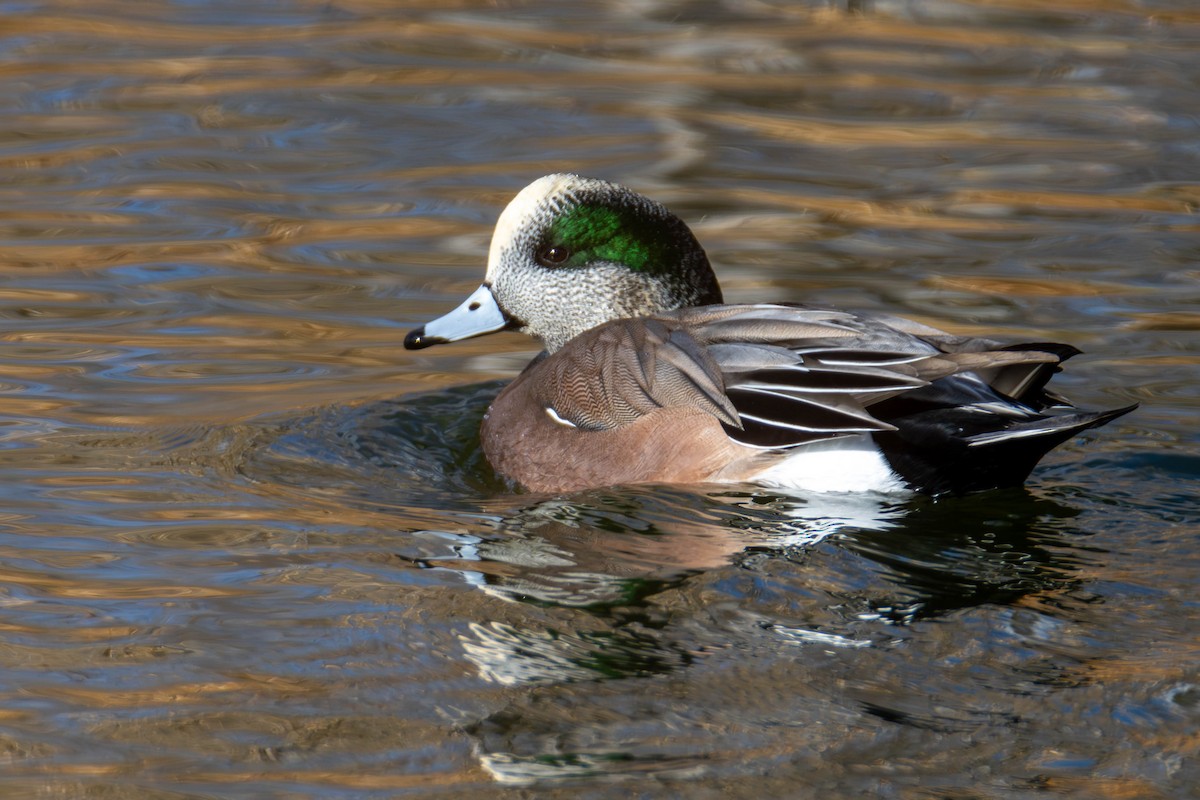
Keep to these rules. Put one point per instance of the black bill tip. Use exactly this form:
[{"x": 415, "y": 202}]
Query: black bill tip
[{"x": 417, "y": 340}]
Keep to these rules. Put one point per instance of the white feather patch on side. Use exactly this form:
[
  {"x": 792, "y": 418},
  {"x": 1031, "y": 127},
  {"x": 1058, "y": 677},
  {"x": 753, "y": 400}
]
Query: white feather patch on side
[
  {"x": 848, "y": 464},
  {"x": 552, "y": 414}
]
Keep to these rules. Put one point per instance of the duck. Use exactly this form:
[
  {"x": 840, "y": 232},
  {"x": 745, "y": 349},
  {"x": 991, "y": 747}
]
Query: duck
[{"x": 648, "y": 377}]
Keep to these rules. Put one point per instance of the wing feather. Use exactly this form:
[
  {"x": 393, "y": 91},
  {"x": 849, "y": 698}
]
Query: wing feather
[{"x": 781, "y": 376}]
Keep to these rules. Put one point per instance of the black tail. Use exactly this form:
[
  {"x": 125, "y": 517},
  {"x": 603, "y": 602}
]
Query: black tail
[{"x": 954, "y": 451}]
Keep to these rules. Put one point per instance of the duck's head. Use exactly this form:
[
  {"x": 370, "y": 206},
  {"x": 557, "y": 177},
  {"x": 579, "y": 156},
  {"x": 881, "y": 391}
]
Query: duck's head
[{"x": 570, "y": 253}]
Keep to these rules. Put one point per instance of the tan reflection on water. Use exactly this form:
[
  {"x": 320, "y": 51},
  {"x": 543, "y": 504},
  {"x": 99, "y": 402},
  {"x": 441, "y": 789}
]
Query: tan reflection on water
[{"x": 74, "y": 588}]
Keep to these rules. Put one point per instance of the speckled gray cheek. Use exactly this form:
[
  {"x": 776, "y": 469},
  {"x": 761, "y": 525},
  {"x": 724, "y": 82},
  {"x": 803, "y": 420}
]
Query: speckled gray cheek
[{"x": 512, "y": 274}]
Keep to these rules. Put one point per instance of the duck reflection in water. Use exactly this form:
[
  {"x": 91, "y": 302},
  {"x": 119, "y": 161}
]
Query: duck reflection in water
[
  {"x": 625, "y": 557},
  {"x": 636, "y": 584}
]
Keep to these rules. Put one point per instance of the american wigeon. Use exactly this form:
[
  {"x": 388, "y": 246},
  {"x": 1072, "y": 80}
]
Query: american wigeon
[{"x": 648, "y": 378}]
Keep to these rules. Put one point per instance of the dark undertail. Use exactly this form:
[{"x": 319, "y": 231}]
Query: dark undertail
[{"x": 932, "y": 450}]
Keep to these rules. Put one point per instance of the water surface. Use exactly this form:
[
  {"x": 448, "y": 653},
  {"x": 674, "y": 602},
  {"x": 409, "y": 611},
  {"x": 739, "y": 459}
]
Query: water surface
[{"x": 249, "y": 547}]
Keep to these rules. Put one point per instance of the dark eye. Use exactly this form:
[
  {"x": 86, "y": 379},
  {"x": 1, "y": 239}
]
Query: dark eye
[{"x": 551, "y": 255}]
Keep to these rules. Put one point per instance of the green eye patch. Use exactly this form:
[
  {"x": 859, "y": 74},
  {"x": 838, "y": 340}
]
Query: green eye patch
[{"x": 621, "y": 235}]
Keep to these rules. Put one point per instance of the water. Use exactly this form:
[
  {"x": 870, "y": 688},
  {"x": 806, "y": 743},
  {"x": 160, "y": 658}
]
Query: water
[{"x": 249, "y": 547}]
